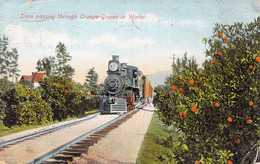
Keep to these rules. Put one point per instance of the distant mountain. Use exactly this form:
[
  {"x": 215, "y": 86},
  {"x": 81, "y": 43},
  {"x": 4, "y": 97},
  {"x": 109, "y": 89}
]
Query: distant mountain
[{"x": 158, "y": 78}]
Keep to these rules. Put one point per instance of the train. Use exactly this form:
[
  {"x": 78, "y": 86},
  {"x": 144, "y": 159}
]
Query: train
[{"x": 124, "y": 87}]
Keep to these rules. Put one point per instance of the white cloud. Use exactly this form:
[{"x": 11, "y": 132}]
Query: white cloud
[
  {"x": 151, "y": 17},
  {"x": 189, "y": 22},
  {"x": 113, "y": 40},
  {"x": 19, "y": 35}
]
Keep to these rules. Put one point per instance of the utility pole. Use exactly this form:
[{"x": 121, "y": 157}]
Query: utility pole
[{"x": 173, "y": 58}]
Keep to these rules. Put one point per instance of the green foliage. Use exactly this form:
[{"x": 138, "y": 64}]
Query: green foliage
[
  {"x": 88, "y": 101},
  {"x": 26, "y": 83},
  {"x": 222, "y": 90},
  {"x": 65, "y": 97},
  {"x": 157, "y": 144},
  {"x": 58, "y": 98},
  {"x": 91, "y": 81},
  {"x": 63, "y": 68},
  {"x": 58, "y": 66},
  {"x": 8, "y": 60},
  {"x": 5, "y": 85},
  {"x": 25, "y": 106},
  {"x": 47, "y": 65},
  {"x": 3, "y": 55}
]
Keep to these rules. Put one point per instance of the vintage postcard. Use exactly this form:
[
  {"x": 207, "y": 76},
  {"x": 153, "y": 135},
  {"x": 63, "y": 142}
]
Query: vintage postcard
[{"x": 194, "y": 62}]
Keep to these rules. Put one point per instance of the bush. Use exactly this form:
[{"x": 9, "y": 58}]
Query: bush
[
  {"x": 65, "y": 97},
  {"x": 89, "y": 101},
  {"x": 5, "y": 85},
  {"x": 218, "y": 108},
  {"x": 26, "y": 83},
  {"x": 25, "y": 106}
]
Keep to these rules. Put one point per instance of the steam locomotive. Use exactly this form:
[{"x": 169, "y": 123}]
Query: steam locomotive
[{"x": 124, "y": 86}]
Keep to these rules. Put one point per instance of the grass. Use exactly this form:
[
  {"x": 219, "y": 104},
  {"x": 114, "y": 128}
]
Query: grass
[
  {"x": 5, "y": 130},
  {"x": 155, "y": 137}
]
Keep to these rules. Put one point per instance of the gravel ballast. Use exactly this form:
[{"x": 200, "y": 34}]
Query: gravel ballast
[{"x": 122, "y": 144}]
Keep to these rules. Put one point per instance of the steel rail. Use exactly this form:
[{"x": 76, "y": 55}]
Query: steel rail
[
  {"x": 57, "y": 150},
  {"x": 28, "y": 136},
  {"x": 72, "y": 142}
]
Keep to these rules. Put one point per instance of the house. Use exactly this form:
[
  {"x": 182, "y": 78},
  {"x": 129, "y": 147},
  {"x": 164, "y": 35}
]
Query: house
[{"x": 34, "y": 78}]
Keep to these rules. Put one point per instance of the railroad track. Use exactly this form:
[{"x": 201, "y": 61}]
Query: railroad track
[
  {"x": 75, "y": 148},
  {"x": 34, "y": 149},
  {"x": 5, "y": 144}
]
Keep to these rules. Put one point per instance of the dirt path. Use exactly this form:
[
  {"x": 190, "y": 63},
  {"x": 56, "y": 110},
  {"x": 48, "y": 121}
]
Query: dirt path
[
  {"x": 123, "y": 143},
  {"x": 26, "y": 151},
  {"x": 31, "y": 131}
]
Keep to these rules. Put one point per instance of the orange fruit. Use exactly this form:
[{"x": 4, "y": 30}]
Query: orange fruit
[
  {"x": 181, "y": 113},
  {"x": 180, "y": 89},
  {"x": 174, "y": 88},
  {"x": 197, "y": 162},
  {"x": 191, "y": 82},
  {"x": 200, "y": 79},
  {"x": 257, "y": 59},
  {"x": 251, "y": 67},
  {"x": 237, "y": 141},
  {"x": 225, "y": 40},
  {"x": 184, "y": 114},
  {"x": 193, "y": 108},
  {"x": 249, "y": 121},
  {"x": 231, "y": 144},
  {"x": 220, "y": 34},
  {"x": 251, "y": 103},
  {"x": 213, "y": 61},
  {"x": 230, "y": 162},
  {"x": 217, "y": 104},
  {"x": 229, "y": 119},
  {"x": 219, "y": 52}
]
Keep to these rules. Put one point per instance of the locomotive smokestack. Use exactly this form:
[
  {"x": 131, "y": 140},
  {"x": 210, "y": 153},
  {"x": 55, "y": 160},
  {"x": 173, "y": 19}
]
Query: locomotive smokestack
[{"x": 115, "y": 57}]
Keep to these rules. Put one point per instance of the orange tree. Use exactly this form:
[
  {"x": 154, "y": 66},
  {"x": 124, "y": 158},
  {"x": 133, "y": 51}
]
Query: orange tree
[
  {"x": 25, "y": 106},
  {"x": 218, "y": 108},
  {"x": 65, "y": 97}
]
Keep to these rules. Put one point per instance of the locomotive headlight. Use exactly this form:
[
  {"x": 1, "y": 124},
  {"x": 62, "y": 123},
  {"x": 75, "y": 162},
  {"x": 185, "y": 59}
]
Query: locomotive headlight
[{"x": 113, "y": 66}]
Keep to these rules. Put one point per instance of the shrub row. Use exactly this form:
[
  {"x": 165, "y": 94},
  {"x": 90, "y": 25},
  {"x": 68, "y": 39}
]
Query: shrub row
[{"x": 56, "y": 99}]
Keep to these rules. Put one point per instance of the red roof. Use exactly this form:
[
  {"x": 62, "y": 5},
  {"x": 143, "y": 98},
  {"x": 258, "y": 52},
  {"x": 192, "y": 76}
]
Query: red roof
[{"x": 35, "y": 77}]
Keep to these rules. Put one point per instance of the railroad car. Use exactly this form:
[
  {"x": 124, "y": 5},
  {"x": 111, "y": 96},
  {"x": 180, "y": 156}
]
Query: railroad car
[{"x": 124, "y": 86}]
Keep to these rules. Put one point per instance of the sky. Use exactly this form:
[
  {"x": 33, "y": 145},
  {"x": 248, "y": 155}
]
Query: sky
[{"x": 93, "y": 31}]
